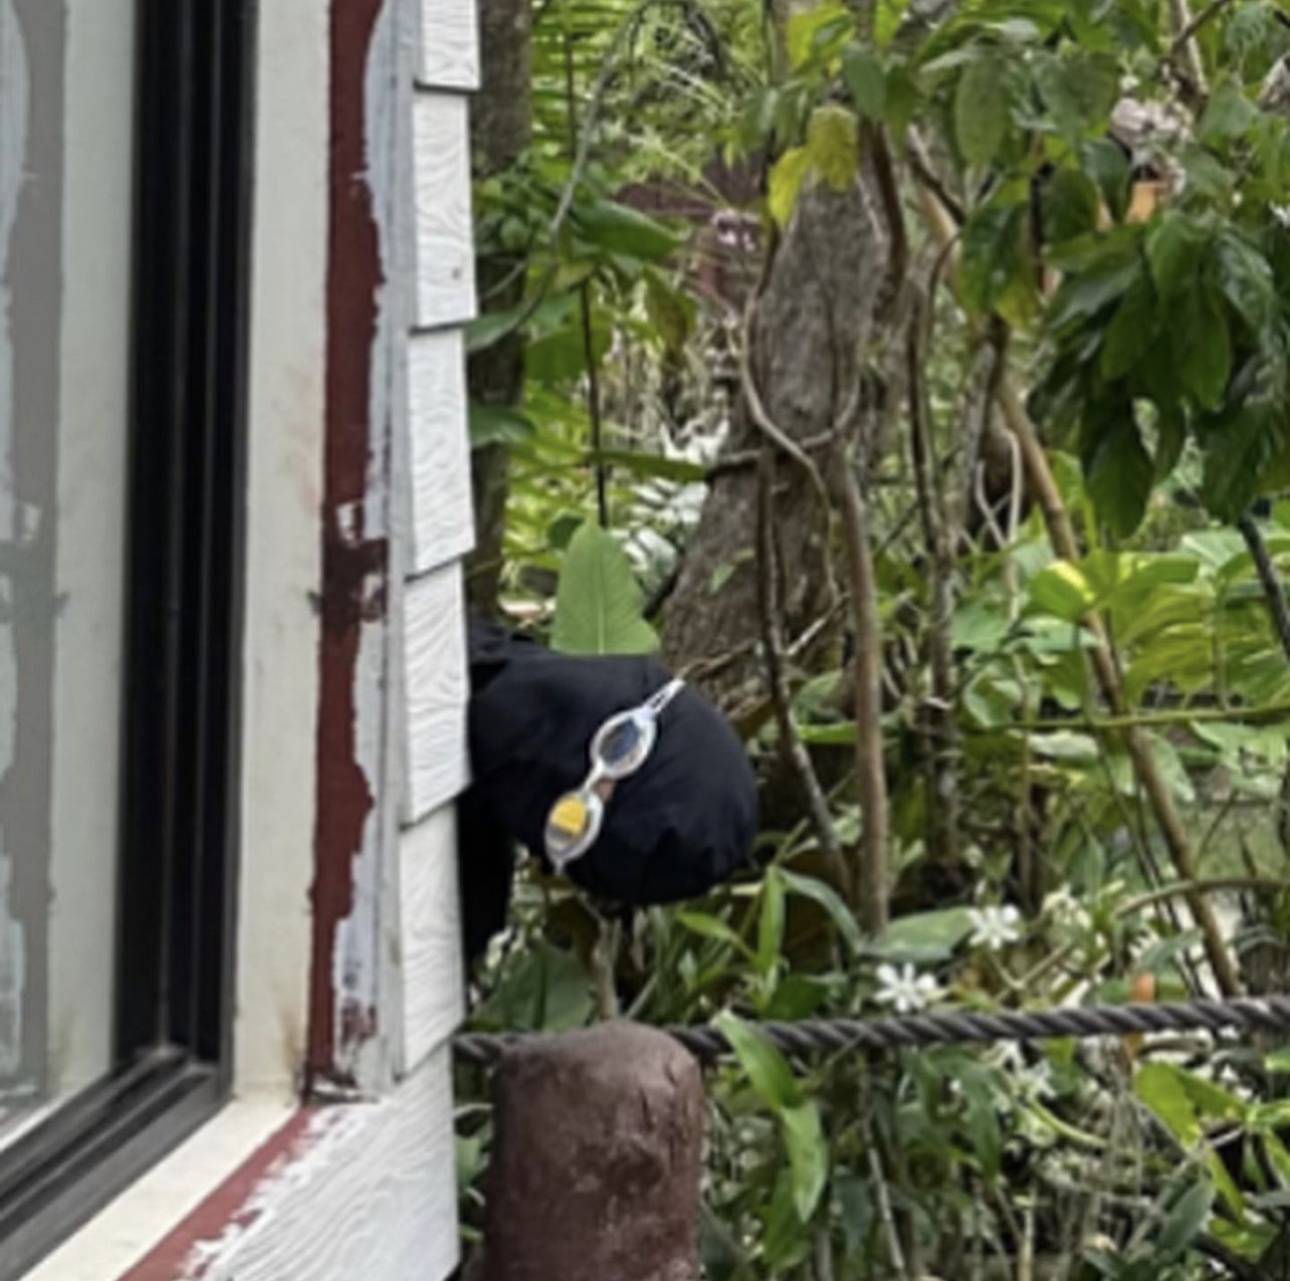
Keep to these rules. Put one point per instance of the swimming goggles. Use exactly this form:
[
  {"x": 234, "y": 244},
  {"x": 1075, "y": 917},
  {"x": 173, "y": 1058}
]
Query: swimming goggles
[{"x": 618, "y": 749}]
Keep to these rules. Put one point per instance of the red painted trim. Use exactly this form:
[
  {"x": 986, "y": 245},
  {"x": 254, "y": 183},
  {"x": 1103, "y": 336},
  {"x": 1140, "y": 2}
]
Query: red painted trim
[
  {"x": 352, "y": 562},
  {"x": 172, "y": 1258}
]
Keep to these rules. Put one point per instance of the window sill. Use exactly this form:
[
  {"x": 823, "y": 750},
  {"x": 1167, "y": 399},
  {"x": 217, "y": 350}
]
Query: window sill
[{"x": 130, "y": 1226}]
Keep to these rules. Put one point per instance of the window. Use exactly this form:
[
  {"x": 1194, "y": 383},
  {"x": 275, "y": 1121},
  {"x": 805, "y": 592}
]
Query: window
[{"x": 124, "y": 164}]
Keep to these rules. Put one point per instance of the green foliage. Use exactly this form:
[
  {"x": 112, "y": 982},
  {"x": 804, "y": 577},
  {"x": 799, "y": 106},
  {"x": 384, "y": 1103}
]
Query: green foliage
[
  {"x": 981, "y": 109},
  {"x": 598, "y": 605},
  {"x": 1148, "y": 330}
]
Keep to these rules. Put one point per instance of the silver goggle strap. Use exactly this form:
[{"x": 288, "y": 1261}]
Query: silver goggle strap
[{"x": 659, "y": 701}]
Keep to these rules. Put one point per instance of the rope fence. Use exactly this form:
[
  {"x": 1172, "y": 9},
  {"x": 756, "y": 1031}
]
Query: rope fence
[{"x": 951, "y": 1027}]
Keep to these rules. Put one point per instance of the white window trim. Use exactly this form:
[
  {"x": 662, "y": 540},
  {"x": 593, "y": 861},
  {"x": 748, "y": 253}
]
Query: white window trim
[{"x": 286, "y": 422}]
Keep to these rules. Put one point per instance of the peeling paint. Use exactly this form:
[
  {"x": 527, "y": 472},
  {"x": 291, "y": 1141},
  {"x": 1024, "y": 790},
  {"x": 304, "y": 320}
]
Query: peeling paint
[
  {"x": 246, "y": 1198},
  {"x": 352, "y": 760}
]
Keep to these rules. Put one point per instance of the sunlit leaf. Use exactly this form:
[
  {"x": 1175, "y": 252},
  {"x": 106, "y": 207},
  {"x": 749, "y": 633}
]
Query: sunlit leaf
[
  {"x": 598, "y": 603},
  {"x": 833, "y": 145},
  {"x": 1063, "y": 591},
  {"x": 785, "y": 183}
]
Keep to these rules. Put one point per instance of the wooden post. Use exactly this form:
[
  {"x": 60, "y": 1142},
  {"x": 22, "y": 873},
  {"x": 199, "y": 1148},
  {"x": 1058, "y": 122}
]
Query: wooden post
[{"x": 596, "y": 1161}]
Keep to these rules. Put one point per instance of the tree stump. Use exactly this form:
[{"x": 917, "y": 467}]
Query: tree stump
[{"x": 596, "y": 1160}]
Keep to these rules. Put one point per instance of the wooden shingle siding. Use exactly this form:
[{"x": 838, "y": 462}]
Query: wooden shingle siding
[
  {"x": 449, "y": 50},
  {"x": 442, "y": 516},
  {"x": 445, "y": 260},
  {"x": 431, "y": 680},
  {"x": 434, "y": 675},
  {"x": 433, "y": 980}
]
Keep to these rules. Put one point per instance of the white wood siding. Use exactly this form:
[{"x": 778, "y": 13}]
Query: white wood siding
[
  {"x": 432, "y": 677},
  {"x": 449, "y": 46},
  {"x": 431, "y": 924},
  {"x": 371, "y": 1194},
  {"x": 439, "y": 471},
  {"x": 445, "y": 261},
  {"x": 435, "y": 768}
]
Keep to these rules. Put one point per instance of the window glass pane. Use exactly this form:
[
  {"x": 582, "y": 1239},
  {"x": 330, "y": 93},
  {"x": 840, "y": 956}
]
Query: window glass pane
[{"x": 66, "y": 164}]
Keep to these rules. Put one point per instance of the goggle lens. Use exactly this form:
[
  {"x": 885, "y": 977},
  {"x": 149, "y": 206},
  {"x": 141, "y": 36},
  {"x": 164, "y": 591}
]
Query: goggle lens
[
  {"x": 622, "y": 744},
  {"x": 567, "y": 826}
]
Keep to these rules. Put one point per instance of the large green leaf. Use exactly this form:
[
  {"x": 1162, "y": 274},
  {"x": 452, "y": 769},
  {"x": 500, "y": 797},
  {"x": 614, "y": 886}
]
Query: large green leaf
[
  {"x": 1246, "y": 280},
  {"x": 1080, "y": 89},
  {"x": 808, "y": 1155},
  {"x": 1131, "y": 333},
  {"x": 770, "y": 927},
  {"x": 812, "y": 29},
  {"x": 1235, "y": 455},
  {"x": 833, "y": 145},
  {"x": 1174, "y": 1096},
  {"x": 993, "y": 244},
  {"x": 1120, "y": 476},
  {"x": 1188, "y": 1216},
  {"x": 981, "y": 109},
  {"x": 925, "y": 937},
  {"x": 1062, "y": 590},
  {"x": 830, "y": 900},
  {"x": 1108, "y": 167},
  {"x": 1228, "y": 114},
  {"x": 598, "y": 603},
  {"x": 1174, "y": 249},
  {"x": 785, "y": 183},
  {"x": 866, "y": 79},
  {"x": 1110, "y": 269},
  {"x": 619, "y": 229},
  {"x": 766, "y": 1068},
  {"x": 1069, "y": 206},
  {"x": 1202, "y": 346},
  {"x": 498, "y": 425},
  {"x": 543, "y": 988}
]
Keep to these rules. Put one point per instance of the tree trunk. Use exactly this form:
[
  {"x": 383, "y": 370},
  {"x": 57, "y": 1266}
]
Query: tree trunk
[
  {"x": 809, "y": 330},
  {"x": 501, "y": 126}
]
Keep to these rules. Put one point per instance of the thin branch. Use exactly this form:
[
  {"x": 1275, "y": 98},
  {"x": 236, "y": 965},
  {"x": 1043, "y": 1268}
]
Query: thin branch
[
  {"x": 1148, "y": 720},
  {"x": 1190, "y": 30},
  {"x": 943, "y": 810},
  {"x": 747, "y": 459},
  {"x": 769, "y": 428},
  {"x": 1184, "y": 53},
  {"x": 1273, "y": 588},
  {"x": 885, "y": 1215},
  {"x": 791, "y": 745},
  {"x": 871, "y": 775}
]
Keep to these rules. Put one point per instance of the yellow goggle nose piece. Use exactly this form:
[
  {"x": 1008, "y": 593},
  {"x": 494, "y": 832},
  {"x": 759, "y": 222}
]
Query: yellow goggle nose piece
[{"x": 569, "y": 815}]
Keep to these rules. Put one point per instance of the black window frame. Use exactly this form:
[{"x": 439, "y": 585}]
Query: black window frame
[{"x": 194, "y": 115}]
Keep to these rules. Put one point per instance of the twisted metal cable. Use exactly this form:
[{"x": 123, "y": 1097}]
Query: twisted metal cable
[{"x": 951, "y": 1027}]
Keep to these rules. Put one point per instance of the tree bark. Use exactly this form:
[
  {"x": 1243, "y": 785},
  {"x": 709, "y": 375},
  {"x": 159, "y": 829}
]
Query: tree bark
[
  {"x": 501, "y": 127},
  {"x": 812, "y": 323}
]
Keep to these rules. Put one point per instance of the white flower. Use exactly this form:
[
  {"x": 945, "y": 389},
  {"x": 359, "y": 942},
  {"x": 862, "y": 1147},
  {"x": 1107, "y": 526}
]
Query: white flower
[
  {"x": 1007, "y": 1057},
  {"x": 994, "y": 927},
  {"x": 1036, "y": 1082},
  {"x": 1062, "y": 906},
  {"x": 905, "y": 988}
]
